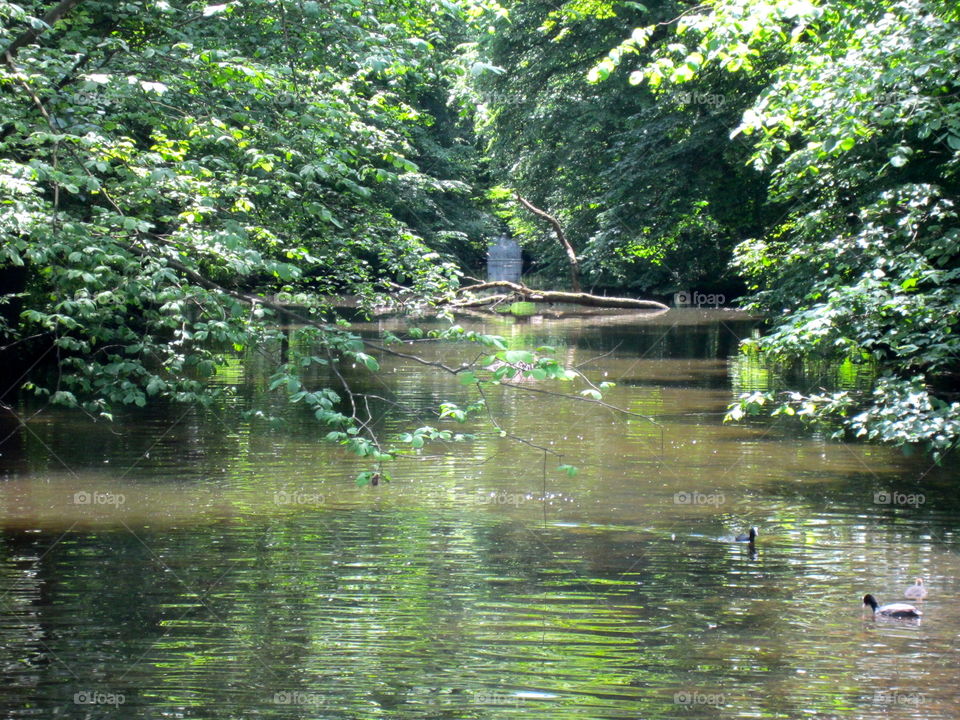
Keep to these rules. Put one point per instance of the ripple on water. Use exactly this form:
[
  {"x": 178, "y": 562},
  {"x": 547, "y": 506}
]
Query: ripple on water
[{"x": 246, "y": 575}]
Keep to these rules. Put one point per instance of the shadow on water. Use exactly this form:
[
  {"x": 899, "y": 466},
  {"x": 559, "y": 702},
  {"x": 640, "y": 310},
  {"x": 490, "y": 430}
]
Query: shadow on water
[{"x": 197, "y": 565}]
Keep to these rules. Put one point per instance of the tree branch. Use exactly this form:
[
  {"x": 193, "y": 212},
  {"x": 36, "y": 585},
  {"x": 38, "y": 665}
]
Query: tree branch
[
  {"x": 52, "y": 16},
  {"x": 581, "y": 398},
  {"x": 558, "y": 229}
]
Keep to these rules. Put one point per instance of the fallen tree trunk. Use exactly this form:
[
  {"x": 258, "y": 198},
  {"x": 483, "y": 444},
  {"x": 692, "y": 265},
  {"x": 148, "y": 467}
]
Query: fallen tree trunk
[
  {"x": 522, "y": 292},
  {"x": 484, "y": 300}
]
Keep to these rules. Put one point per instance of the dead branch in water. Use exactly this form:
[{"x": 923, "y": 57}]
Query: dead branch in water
[{"x": 522, "y": 292}]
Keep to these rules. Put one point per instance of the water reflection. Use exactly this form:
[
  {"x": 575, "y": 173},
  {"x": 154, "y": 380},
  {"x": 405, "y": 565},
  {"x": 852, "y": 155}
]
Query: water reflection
[{"x": 243, "y": 574}]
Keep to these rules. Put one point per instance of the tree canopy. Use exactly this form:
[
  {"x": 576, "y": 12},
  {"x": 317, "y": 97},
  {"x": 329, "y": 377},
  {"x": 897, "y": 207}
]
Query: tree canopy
[
  {"x": 857, "y": 131},
  {"x": 642, "y": 182},
  {"x": 167, "y": 170},
  {"x": 174, "y": 174}
]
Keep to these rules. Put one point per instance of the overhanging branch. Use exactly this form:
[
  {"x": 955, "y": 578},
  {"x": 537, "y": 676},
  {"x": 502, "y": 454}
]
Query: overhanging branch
[
  {"x": 53, "y": 15},
  {"x": 561, "y": 236}
]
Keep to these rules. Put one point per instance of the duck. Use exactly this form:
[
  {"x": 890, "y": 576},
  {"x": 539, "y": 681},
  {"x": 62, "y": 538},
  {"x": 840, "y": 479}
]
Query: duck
[
  {"x": 916, "y": 591},
  {"x": 750, "y": 537},
  {"x": 900, "y": 611}
]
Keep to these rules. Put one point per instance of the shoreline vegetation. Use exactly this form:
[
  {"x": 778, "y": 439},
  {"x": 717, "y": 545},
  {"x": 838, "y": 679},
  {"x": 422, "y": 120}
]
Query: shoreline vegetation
[{"x": 168, "y": 170}]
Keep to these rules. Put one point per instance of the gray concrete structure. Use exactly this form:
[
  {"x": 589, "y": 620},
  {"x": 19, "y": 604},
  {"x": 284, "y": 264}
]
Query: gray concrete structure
[{"x": 504, "y": 260}]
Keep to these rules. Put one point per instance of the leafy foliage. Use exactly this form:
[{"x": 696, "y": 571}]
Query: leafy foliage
[
  {"x": 642, "y": 184},
  {"x": 168, "y": 169},
  {"x": 858, "y": 129},
  {"x": 173, "y": 173}
]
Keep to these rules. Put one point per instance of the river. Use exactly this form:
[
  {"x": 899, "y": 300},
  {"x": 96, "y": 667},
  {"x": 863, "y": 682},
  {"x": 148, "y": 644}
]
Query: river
[{"x": 183, "y": 563}]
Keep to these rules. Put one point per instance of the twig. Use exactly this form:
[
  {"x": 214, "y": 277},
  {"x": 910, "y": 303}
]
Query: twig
[
  {"x": 504, "y": 433},
  {"x": 599, "y": 357},
  {"x": 620, "y": 410},
  {"x": 416, "y": 358}
]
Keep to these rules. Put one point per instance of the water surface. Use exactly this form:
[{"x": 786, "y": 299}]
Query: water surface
[{"x": 188, "y": 564}]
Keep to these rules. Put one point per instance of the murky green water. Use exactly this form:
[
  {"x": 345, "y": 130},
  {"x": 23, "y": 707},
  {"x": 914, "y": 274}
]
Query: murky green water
[{"x": 194, "y": 565}]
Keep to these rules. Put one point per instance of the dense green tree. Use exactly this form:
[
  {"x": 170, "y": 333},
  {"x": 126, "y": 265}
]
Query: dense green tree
[
  {"x": 238, "y": 145},
  {"x": 643, "y": 184},
  {"x": 170, "y": 170},
  {"x": 858, "y": 128},
  {"x": 174, "y": 175}
]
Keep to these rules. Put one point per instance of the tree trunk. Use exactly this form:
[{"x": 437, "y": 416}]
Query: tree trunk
[{"x": 577, "y": 298}]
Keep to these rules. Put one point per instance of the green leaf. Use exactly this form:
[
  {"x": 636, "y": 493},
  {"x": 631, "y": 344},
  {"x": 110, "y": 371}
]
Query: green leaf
[
  {"x": 369, "y": 361},
  {"x": 366, "y": 478},
  {"x": 517, "y": 357}
]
